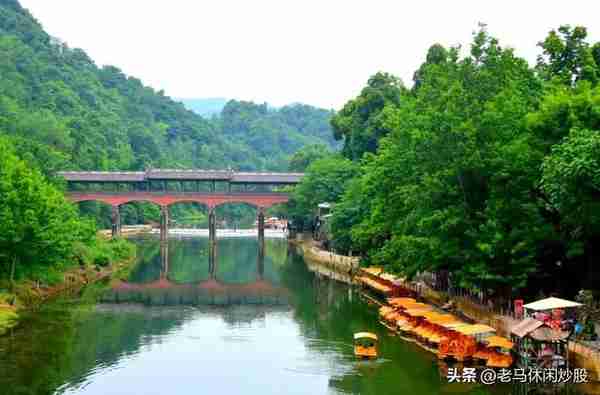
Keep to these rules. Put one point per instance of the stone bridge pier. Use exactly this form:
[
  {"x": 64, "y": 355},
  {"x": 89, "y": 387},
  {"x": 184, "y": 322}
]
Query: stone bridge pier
[{"x": 212, "y": 224}]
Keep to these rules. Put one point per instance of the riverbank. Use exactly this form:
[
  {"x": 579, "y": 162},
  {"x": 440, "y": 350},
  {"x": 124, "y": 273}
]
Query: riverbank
[
  {"x": 312, "y": 253},
  {"x": 581, "y": 355},
  {"x": 29, "y": 295}
]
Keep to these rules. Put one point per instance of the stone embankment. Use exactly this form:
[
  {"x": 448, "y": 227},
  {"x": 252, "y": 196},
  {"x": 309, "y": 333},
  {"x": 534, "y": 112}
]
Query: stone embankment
[
  {"x": 340, "y": 264},
  {"x": 129, "y": 230}
]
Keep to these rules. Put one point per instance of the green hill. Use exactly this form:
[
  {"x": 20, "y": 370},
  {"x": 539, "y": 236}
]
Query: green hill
[{"x": 62, "y": 111}]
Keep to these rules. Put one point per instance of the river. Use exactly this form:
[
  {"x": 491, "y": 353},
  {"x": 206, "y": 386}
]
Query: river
[{"x": 185, "y": 322}]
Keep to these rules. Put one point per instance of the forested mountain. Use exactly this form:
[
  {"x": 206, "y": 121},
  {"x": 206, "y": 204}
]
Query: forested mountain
[
  {"x": 62, "y": 111},
  {"x": 275, "y": 133}
]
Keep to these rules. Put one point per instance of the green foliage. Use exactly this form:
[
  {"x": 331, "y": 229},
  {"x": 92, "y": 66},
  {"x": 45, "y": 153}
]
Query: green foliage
[
  {"x": 63, "y": 112},
  {"x": 359, "y": 123},
  {"x": 567, "y": 126},
  {"x": 38, "y": 227},
  {"x": 568, "y": 58},
  {"x": 268, "y": 137},
  {"x": 68, "y": 113},
  {"x": 450, "y": 186},
  {"x": 8, "y": 319},
  {"x": 562, "y": 109},
  {"x": 350, "y": 210},
  {"x": 475, "y": 168},
  {"x": 305, "y": 156},
  {"x": 571, "y": 180},
  {"x": 325, "y": 181}
]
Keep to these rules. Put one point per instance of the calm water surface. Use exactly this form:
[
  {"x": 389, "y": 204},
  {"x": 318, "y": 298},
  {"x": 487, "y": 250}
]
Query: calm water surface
[{"x": 188, "y": 322}]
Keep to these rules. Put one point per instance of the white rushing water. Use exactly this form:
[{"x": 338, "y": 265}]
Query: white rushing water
[{"x": 226, "y": 233}]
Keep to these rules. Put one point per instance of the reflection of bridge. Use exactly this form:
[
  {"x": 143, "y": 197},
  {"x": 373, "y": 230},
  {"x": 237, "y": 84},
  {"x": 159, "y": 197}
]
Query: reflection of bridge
[
  {"x": 210, "y": 188},
  {"x": 212, "y": 285},
  {"x": 211, "y": 291}
]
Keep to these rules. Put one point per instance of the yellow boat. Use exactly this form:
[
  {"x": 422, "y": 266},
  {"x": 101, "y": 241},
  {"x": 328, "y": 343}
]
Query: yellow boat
[{"x": 365, "y": 345}]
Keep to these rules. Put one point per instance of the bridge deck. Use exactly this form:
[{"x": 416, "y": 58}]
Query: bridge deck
[{"x": 181, "y": 175}]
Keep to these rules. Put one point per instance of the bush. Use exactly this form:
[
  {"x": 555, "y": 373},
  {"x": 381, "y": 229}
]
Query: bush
[
  {"x": 102, "y": 260},
  {"x": 102, "y": 252},
  {"x": 122, "y": 249}
]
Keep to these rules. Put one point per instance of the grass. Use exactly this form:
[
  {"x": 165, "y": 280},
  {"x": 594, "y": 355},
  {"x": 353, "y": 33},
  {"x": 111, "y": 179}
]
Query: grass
[{"x": 8, "y": 319}]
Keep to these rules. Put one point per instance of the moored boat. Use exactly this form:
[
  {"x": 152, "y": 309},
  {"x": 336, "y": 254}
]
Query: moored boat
[{"x": 365, "y": 345}]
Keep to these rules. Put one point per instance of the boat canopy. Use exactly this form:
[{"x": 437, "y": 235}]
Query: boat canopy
[
  {"x": 388, "y": 277},
  {"x": 401, "y": 301},
  {"x": 497, "y": 341},
  {"x": 445, "y": 319},
  {"x": 365, "y": 335},
  {"x": 413, "y": 305},
  {"x": 550, "y": 304},
  {"x": 475, "y": 329},
  {"x": 418, "y": 311},
  {"x": 374, "y": 270},
  {"x": 454, "y": 325}
]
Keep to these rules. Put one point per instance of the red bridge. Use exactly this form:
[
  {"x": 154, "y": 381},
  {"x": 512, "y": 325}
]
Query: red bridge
[
  {"x": 260, "y": 200},
  {"x": 166, "y": 187}
]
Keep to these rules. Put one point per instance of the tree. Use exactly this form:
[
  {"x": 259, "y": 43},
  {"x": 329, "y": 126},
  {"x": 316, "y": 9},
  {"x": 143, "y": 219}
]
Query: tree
[
  {"x": 436, "y": 55},
  {"x": 38, "y": 227},
  {"x": 347, "y": 213},
  {"x": 568, "y": 57},
  {"x": 324, "y": 181},
  {"x": 596, "y": 54},
  {"x": 359, "y": 123},
  {"x": 305, "y": 156},
  {"x": 571, "y": 180},
  {"x": 450, "y": 185}
]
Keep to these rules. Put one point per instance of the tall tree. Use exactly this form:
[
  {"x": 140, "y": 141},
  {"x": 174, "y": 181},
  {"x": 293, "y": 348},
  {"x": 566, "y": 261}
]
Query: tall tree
[
  {"x": 568, "y": 57},
  {"x": 359, "y": 122}
]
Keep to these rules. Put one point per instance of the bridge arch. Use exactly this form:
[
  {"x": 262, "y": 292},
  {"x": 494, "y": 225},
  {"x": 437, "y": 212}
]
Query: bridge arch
[
  {"x": 185, "y": 200},
  {"x": 252, "y": 204},
  {"x": 97, "y": 210}
]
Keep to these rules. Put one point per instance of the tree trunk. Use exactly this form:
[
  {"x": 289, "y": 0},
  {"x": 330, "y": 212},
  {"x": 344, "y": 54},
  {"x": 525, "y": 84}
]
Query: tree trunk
[
  {"x": 592, "y": 269},
  {"x": 12, "y": 270}
]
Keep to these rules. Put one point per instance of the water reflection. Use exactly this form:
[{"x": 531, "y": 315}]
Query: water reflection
[
  {"x": 184, "y": 322},
  {"x": 193, "y": 272}
]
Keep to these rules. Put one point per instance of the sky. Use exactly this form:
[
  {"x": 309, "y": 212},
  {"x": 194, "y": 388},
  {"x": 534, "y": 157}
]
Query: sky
[{"x": 318, "y": 52}]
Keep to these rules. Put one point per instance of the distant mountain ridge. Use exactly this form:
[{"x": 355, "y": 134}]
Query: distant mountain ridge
[{"x": 205, "y": 107}]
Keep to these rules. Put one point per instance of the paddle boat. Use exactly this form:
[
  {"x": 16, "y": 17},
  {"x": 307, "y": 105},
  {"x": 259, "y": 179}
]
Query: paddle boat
[{"x": 365, "y": 345}]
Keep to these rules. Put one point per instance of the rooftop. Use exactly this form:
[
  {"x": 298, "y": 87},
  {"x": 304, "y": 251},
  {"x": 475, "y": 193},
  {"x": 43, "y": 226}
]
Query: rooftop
[
  {"x": 551, "y": 304},
  {"x": 182, "y": 175}
]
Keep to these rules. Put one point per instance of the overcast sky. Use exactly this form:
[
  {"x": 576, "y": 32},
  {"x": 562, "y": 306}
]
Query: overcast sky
[{"x": 319, "y": 52}]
